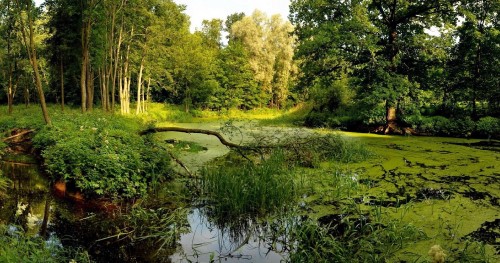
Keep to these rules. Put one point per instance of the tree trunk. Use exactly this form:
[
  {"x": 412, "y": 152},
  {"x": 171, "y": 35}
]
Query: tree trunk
[
  {"x": 10, "y": 96},
  {"x": 391, "y": 124},
  {"x": 145, "y": 96},
  {"x": 61, "y": 68},
  {"x": 116, "y": 67},
  {"x": 391, "y": 119},
  {"x": 148, "y": 96},
  {"x": 104, "y": 89},
  {"x": 90, "y": 88},
  {"x": 84, "y": 85},
  {"x": 30, "y": 48},
  {"x": 139, "y": 87},
  {"x": 125, "y": 89}
]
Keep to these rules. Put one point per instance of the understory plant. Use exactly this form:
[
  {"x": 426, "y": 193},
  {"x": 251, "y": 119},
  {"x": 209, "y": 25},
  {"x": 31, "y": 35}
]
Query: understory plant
[
  {"x": 16, "y": 246},
  {"x": 101, "y": 155}
]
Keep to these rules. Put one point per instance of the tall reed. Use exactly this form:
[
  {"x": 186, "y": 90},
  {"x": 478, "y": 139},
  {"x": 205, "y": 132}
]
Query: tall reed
[{"x": 249, "y": 189}]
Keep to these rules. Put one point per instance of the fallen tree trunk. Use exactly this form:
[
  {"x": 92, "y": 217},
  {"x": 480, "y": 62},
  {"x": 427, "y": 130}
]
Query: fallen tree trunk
[
  {"x": 200, "y": 131},
  {"x": 17, "y": 135}
]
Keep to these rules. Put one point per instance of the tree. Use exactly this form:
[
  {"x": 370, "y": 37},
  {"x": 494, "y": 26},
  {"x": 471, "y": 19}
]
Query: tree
[
  {"x": 270, "y": 47},
  {"x": 475, "y": 62},
  {"x": 64, "y": 46},
  {"x": 238, "y": 87},
  {"x": 26, "y": 15},
  {"x": 367, "y": 40}
]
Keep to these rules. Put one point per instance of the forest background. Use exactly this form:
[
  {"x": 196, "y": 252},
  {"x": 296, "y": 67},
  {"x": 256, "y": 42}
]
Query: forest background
[{"x": 368, "y": 65}]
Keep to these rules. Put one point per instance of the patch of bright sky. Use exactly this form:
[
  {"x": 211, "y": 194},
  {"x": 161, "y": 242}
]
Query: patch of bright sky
[{"x": 198, "y": 10}]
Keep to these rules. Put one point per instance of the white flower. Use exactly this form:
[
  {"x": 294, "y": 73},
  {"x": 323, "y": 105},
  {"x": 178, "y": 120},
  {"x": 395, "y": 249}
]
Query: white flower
[{"x": 20, "y": 208}]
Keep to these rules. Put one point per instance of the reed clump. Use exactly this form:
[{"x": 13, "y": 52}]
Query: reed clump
[{"x": 249, "y": 188}]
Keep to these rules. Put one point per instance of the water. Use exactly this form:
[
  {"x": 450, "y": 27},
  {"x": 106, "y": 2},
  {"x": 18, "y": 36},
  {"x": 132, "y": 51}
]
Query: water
[
  {"x": 27, "y": 201},
  {"x": 207, "y": 242},
  {"x": 30, "y": 204}
]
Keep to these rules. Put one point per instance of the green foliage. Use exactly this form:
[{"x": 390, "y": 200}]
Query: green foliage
[
  {"x": 186, "y": 146},
  {"x": 22, "y": 119},
  {"x": 324, "y": 148},
  {"x": 102, "y": 155},
  {"x": 15, "y": 246},
  {"x": 488, "y": 126},
  {"x": 237, "y": 190},
  {"x": 334, "y": 147},
  {"x": 4, "y": 184},
  {"x": 352, "y": 240}
]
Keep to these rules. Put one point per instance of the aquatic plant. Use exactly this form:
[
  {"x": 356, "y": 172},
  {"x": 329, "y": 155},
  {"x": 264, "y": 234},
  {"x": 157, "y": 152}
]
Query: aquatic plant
[
  {"x": 160, "y": 227},
  {"x": 248, "y": 188},
  {"x": 350, "y": 239},
  {"x": 4, "y": 184}
]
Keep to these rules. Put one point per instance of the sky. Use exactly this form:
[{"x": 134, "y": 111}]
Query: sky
[{"x": 199, "y": 10}]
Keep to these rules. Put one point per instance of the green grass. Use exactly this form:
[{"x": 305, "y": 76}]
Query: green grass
[
  {"x": 159, "y": 112},
  {"x": 350, "y": 240},
  {"x": 249, "y": 189},
  {"x": 15, "y": 247}
]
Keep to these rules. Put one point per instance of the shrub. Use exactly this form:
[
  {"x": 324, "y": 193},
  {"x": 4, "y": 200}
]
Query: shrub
[
  {"x": 488, "y": 126},
  {"x": 436, "y": 125},
  {"x": 462, "y": 127},
  {"x": 101, "y": 155},
  {"x": 316, "y": 119}
]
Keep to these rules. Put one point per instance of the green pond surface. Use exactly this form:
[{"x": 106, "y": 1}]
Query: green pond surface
[{"x": 449, "y": 188}]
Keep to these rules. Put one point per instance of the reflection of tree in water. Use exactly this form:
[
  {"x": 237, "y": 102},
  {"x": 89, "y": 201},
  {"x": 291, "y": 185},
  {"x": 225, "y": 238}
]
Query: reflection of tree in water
[
  {"x": 237, "y": 235},
  {"x": 26, "y": 201},
  {"x": 116, "y": 238}
]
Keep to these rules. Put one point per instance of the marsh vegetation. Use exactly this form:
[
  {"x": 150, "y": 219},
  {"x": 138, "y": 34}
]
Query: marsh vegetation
[{"x": 315, "y": 196}]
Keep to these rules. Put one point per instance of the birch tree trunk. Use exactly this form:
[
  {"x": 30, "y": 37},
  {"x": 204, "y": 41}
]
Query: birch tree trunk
[{"x": 139, "y": 87}]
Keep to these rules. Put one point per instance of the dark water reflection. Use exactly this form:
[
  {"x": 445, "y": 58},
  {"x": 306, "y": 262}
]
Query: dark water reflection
[
  {"x": 223, "y": 241},
  {"x": 27, "y": 202},
  {"x": 31, "y": 204}
]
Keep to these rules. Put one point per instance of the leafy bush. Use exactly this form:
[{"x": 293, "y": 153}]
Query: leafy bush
[
  {"x": 462, "y": 127},
  {"x": 488, "y": 126},
  {"x": 316, "y": 119},
  {"x": 101, "y": 155},
  {"x": 438, "y": 125}
]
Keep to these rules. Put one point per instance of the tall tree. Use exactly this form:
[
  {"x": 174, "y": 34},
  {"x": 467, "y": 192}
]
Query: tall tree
[
  {"x": 475, "y": 63},
  {"x": 26, "y": 15},
  {"x": 270, "y": 46},
  {"x": 366, "y": 39}
]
